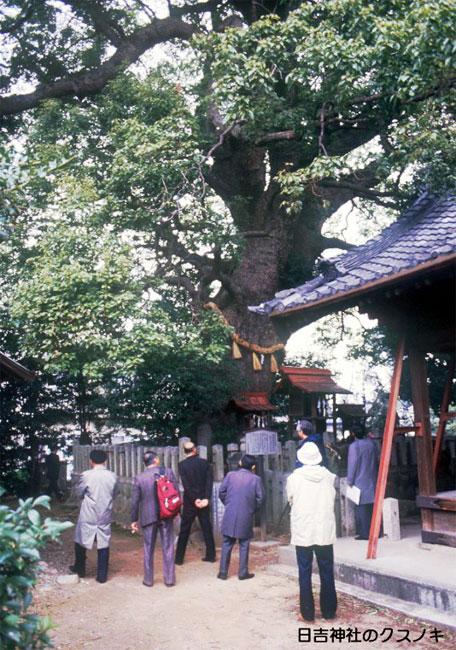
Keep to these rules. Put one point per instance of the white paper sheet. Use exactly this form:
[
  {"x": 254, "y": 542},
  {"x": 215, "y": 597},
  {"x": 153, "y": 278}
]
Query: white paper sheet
[{"x": 354, "y": 494}]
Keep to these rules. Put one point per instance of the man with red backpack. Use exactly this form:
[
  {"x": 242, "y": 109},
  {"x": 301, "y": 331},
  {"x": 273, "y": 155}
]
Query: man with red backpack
[{"x": 154, "y": 505}]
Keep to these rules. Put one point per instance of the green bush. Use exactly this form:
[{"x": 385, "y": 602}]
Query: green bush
[{"x": 22, "y": 533}]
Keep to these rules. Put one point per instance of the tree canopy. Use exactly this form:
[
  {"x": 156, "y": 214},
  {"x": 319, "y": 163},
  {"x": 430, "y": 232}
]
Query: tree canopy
[{"x": 163, "y": 156}]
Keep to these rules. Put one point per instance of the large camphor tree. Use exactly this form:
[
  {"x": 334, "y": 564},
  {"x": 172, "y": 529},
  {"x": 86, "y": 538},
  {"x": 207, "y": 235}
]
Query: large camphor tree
[{"x": 217, "y": 137}]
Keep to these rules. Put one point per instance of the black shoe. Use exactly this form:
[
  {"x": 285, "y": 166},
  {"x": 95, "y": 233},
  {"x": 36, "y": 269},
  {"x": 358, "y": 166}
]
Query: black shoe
[
  {"x": 222, "y": 576},
  {"x": 146, "y": 584},
  {"x": 358, "y": 537},
  {"x": 179, "y": 562},
  {"x": 101, "y": 581},
  {"x": 169, "y": 584},
  {"x": 307, "y": 619},
  {"x": 208, "y": 559},
  {"x": 247, "y": 576},
  {"x": 329, "y": 618},
  {"x": 73, "y": 569}
]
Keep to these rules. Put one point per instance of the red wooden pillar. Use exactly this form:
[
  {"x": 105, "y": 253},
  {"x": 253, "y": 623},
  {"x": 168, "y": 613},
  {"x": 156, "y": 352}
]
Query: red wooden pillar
[
  {"x": 385, "y": 456},
  {"x": 443, "y": 413},
  {"x": 423, "y": 440}
]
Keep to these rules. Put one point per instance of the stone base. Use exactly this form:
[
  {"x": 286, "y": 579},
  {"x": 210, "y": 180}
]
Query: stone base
[{"x": 403, "y": 570}]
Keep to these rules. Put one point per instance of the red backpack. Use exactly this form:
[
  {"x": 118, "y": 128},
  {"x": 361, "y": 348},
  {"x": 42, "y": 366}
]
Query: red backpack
[{"x": 169, "y": 500}]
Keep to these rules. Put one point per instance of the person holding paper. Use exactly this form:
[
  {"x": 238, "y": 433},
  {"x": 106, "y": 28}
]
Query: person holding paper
[{"x": 362, "y": 471}]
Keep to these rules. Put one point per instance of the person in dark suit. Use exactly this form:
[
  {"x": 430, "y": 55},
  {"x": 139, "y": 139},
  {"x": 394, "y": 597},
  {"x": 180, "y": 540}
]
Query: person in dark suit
[
  {"x": 363, "y": 458},
  {"x": 145, "y": 511},
  {"x": 196, "y": 477},
  {"x": 241, "y": 493},
  {"x": 52, "y": 461}
]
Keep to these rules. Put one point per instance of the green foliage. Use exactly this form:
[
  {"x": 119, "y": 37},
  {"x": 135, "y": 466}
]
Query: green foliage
[
  {"x": 360, "y": 63},
  {"x": 22, "y": 534},
  {"x": 175, "y": 382},
  {"x": 75, "y": 297}
]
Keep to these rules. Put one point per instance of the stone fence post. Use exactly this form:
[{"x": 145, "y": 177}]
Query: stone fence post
[{"x": 217, "y": 463}]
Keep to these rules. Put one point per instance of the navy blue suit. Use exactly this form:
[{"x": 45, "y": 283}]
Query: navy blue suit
[
  {"x": 362, "y": 472},
  {"x": 241, "y": 493}
]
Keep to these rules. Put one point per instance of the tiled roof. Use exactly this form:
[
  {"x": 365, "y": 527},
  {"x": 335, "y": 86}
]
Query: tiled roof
[
  {"x": 426, "y": 231},
  {"x": 312, "y": 380},
  {"x": 254, "y": 402}
]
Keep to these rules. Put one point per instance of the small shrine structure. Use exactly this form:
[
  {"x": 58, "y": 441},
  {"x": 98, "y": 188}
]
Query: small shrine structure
[
  {"x": 252, "y": 410},
  {"x": 309, "y": 389}
]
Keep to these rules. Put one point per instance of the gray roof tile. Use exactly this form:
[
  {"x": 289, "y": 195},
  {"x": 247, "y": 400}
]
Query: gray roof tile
[{"x": 425, "y": 231}]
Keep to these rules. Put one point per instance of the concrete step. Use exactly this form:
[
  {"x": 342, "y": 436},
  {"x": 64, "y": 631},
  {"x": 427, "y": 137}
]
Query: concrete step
[
  {"x": 373, "y": 576},
  {"x": 409, "y": 609}
]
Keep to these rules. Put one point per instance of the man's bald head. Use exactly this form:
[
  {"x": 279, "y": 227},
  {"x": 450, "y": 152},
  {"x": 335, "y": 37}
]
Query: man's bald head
[{"x": 189, "y": 448}]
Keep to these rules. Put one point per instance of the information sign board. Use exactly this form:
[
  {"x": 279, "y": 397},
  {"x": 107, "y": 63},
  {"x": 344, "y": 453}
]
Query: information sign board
[{"x": 261, "y": 442}]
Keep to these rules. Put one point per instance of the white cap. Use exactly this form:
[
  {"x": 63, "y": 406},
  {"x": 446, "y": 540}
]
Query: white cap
[{"x": 309, "y": 454}]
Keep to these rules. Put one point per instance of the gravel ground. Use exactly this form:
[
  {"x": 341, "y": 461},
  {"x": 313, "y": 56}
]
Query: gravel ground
[{"x": 201, "y": 611}]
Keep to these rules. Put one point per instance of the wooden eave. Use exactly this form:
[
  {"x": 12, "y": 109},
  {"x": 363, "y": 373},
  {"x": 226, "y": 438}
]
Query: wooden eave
[{"x": 14, "y": 368}]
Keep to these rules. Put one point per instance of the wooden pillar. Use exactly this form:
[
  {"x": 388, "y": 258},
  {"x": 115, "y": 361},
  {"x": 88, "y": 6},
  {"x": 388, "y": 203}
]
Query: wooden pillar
[
  {"x": 423, "y": 440},
  {"x": 443, "y": 413},
  {"x": 385, "y": 456}
]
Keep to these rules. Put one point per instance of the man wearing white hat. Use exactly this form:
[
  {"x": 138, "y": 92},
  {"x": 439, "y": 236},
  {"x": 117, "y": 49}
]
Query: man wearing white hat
[{"x": 311, "y": 495}]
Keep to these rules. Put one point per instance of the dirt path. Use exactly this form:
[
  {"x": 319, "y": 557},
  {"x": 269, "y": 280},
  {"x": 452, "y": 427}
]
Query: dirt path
[{"x": 200, "y": 611}]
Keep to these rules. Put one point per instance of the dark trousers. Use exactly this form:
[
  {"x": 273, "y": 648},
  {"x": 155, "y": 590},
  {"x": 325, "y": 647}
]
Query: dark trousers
[
  {"x": 53, "y": 487},
  {"x": 227, "y": 547},
  {"x": 165, "y": 528},
  {"x": 188, "y": 517},
  {"x": 102, "y": 562},
  {"x": 328, "y": 597},
  {"x": 363, "y": 516}
]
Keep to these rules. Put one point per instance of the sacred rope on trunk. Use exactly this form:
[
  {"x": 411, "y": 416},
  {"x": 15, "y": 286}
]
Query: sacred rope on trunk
[{"x": 253, "y": 347}]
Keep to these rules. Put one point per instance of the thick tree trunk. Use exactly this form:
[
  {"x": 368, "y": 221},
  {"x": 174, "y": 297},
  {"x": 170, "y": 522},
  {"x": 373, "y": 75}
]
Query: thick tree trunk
[
  {"x": 279, "y": 249},
  {"x": 256, "y": 279}
]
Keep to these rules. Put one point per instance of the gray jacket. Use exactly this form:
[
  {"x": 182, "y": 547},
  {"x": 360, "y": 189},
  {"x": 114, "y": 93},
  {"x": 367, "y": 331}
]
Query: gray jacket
[
  {"x": 362, "y": 468},
  {"x": 242, "y": 493},
  {"x": 97, "y": 487},
  {"x": 144, "y": 502}
]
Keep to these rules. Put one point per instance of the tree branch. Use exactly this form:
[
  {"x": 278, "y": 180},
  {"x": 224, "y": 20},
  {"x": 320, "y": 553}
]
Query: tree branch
[
  {"x": 101, "y": 19},
  {"x": 335, "y": 242},
  {"x": 87, "y": 83},
  {"x": 358, "y": 188},
  {"x": 331, "y": 118},
  {"x": 277, "y": 136},
  {"x": 197, "y": 8},
  {"x": 221, "y": 139}
]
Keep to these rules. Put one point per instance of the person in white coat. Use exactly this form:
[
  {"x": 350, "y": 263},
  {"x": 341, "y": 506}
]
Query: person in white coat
[
  {"x": 97, "y": 487},
  {"x": 311, "y": 495}
]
